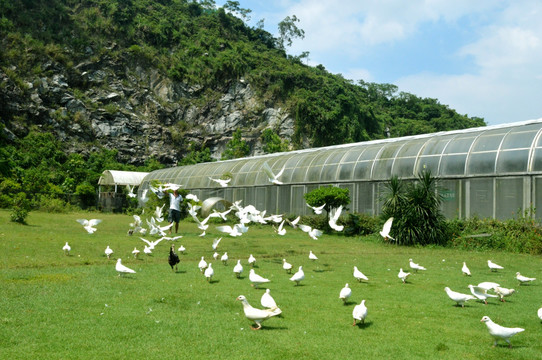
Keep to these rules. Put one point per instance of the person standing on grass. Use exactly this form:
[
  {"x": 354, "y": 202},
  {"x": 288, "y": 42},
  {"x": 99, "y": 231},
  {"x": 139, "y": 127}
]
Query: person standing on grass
[{"x": 174, "y": 214}]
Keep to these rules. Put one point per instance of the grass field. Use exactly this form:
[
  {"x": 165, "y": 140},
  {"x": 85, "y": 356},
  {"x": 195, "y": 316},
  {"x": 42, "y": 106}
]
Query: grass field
[{"x": 66, "y": 307}]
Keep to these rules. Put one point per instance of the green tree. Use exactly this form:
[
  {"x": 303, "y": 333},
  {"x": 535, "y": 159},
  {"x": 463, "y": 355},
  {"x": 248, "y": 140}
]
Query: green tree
[
  {"x": 272, "y": 142},
  {"x": 236, "y": 147},
  {"x": 331, "y": 196},
  {"x": 288, "y": 31}
]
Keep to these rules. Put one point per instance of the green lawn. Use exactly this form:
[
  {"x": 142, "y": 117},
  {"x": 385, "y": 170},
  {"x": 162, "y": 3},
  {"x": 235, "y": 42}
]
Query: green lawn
[{"x": 65, "y": 307}]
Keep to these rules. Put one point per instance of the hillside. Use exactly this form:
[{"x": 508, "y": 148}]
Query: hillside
[{"x": 157, "y": 83}]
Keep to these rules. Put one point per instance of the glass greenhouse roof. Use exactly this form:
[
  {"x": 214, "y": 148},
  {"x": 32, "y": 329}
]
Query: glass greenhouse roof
[{"x": 493, "y": 150}]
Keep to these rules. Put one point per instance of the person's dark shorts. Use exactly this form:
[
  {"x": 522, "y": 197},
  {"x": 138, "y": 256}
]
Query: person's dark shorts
[{"x": 174, "y": 215}]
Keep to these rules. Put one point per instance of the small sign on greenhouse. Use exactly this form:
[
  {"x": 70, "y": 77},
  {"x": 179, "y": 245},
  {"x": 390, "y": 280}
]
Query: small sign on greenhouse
[{"x": 447, "y": 194}]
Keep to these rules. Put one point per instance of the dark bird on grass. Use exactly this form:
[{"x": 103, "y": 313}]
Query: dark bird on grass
[{"x": 173, "y": 258}]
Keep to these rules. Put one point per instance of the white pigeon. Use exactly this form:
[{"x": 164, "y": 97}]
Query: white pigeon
[
  {"x": 135, "y": 252},
  {"x": 313, "y": 233},
  {"x": 500, "y": 332},
  {"x": 345, "y": 293},
  {"x": 202, "y": 265},
  {"x": 221, "y": 182},
  {"x": 121, "y": 269},
  {"x": 216, "y": 242},
  {"x": 147, "y": 250},
  {"x": 503, "y": 292},
  {"x": 181, "y": 249},
  {"x": 131, "y": 191},
  {"x": 108, "y": 251},
  {"x": 257, "y": 315},
  {"x": 202, "y": 224},
  {"x": 465, "y": 269},
  {"x": 251, "y": 260},
  {"x": 359, "y": 313},
  {"x": 298, "y": 276},
  {"x": 216, "y": 255},
  {"x": 312, "y": 257},
  {"x": 403, "y": 275},
  {"x": 317, "y": 209},
  {"x": 415, "y": 266},
  {"x": 256, "y": 279},
  {"x": 267, "y": 300},
  {"x": 334, "y": 217},
  {"x": 481, "y": 293},
  {"x": 273, "y": 178},
  {"x": 523, "y": 279},
  {"x": 159, "y": 213},
  {"x": 459, "y": 298},
  {"x": 169, "y": 238},
  {"x": 232, "y": 231},
  {"x": 238, "y": 269},
  {"x": 224, "y": 258},
  {"x": 281, "y": 230},
  {"x": 209, "y": 272},
  {"x": 219, "y": 214},
  {"x": 66, "y": 248},
  {"x": 493, "y": 267},
  {"x": 488, "y": 285},
  {"x": 89, "y": 224},
  {"x": 540, "y": 313},
  {"x": 385, "y": 232},
  {"x": 294, "y": 222},
  {"x": 286, "y": 266},
  {"x": 193, "y": 197},
  {"x": 359, "y": 275},
  {"x": 152, "y": 244}
]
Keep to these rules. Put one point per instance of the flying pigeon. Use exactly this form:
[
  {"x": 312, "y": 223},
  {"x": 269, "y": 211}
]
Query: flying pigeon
[
  {"x": 256, "y": 279},
  {"x": 121, "y": 269},
  {"x": 108, "y": 251},
  {"x": 221, "y": 215},
  {"x": 66, "y": 249},
  {"x": 459, "y": 298},
  {"x": 317, "y": 209},
  {"x": 286, "y": 266},
  {"x": 500, "y": 332},
  {"x": 221, "y": 182},
  {"x": 257, "y": 315},
  {"x": 147, "y": 250},
  {"x": 313, "y": 233},
  {"x": 202, "y": 265},
  {"x": 281, "y": 230},
  {"x": 385, "y": 233},
  {"x": 493, "y": 267},
  {"x": 267, "y": 300},
  {"x": 523, "y": 279},
  {"x": 465, "y": 269},
  {"x": 273, "y": 178},
  {"x": 345, "y": 293},
  {"x": 193, "y": 197},
  {"x": 238, "y": 269},
  {"x": 415, "y": 266},
  {"x": 333, "y": 217},
  {"x": 224, "y": 258},
  {"x": 89, "y": 224},
  {"x": 481, "y": 293},
  {"x": 251, "y": 260},
  {"x": 503, "y": 292},
  {"x": 173, "y": 258},
  {"x": 234, "y": 231},
  {"x": 403, "y": 275},
  {"x": 152, "y": 244},
  {"x": 294, "y": 222},
  {"x": 159, "y": 215},
  {"x": 209, "y": 272},
  {"x": 131, "y": 191},
  {"x": 359, "y": 275},
  {"x": 359, "y": 313},
  {"x": 298, "y": 276},
  {"x": 135, "y": 252}
]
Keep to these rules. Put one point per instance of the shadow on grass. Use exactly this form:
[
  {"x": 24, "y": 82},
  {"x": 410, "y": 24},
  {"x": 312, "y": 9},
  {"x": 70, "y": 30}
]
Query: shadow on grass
[
  {"x": 180, "y": 272},
  {"x": 272, "y": 328},
  {"x": 213, "y": 281},
  {"x": 364, "y": 325},
  {"x": 347, "y": 303}
]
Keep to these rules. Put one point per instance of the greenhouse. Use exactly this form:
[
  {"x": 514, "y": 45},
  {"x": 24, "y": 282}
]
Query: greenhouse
[{"x": 493, "y": 171}]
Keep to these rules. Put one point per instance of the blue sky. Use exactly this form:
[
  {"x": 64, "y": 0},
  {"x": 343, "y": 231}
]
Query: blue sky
[{"x": 482, "y": 58}]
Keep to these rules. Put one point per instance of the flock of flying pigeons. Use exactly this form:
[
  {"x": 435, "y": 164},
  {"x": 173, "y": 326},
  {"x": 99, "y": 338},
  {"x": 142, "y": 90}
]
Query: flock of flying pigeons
[{"x": 249, "y": 214}]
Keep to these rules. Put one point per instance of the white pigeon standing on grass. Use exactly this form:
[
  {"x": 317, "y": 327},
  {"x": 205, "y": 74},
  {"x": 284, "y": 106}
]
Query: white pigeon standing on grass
[
  {"x": 493, "y": 267},
  {"x": 540, "y": 313},
  {"x": 503, "y": 292},
  {"x": 312, "y": 257},
  {"x": 267, "y": 300},
  {"x": 121, "y": 269},
  {"x": 66, "y": 249},
  {"x": 385, "y": 232},
  {"x": 216, "y": 255},
  {"x": 402, "y": 275},
  {"x": 298, "y": 276},
  {"x": 481, "y": 293},
  {"x": 465, "y": 269},
  {"x": 256, "y": 279},
  {"x": 251, "y": 260},
  {"x": 181, "y": 249},
  {"x": 359, "y": 313},
  {"x": 135, "y": 252},
  {"x": 500, "y": 332},
  {"x": 202, "y": 265},
  {"x": 359, "y": 275},
  {"x": 238, "y": 269},
  {"x": 459, "y": 298},
  {"x": 209, "y": 272},
  {"x": 286, "y": 266},
  {"x": 415, "y": 266},
  {"x": 523, "y": 279},
  {"x": 334, "y": 217},
  {"x": 108, "y": 251},
  {"x": 257, "y": 315},
  {"x": 345, "y": 293},
  {"x": 224, "y": 258}
]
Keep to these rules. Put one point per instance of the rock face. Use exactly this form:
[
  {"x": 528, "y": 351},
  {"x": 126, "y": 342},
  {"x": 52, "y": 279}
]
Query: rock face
[{"x": 135, "y": 110}]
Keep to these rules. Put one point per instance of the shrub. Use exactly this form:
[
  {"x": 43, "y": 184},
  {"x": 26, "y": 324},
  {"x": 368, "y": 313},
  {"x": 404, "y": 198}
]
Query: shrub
[
  {"x": 53, "y": 205},
  {"x": 20, "y": 209},
  {"x": 360, "y": 224},
  {"x": 331, "y": 196},
  {"x": 87, "y": 194}
]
